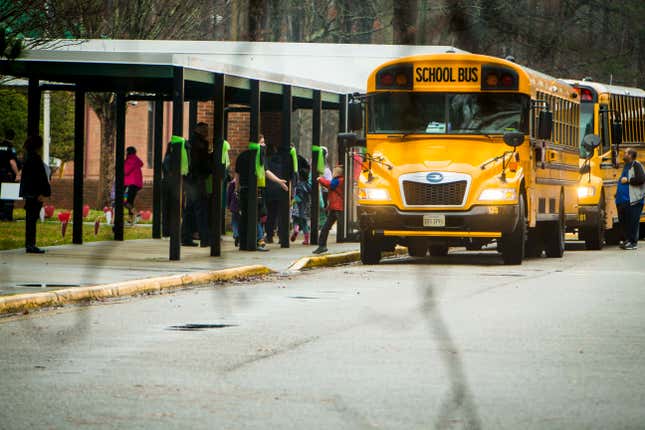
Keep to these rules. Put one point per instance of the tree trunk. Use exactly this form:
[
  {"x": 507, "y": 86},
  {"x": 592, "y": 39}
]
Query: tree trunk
[
  {"x": 103, "y": 106},
  {"x": 404, "y": 22}
]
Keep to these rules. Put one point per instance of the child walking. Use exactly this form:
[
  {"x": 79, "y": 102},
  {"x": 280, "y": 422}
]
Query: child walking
[
  {"x": 133, "y": 181},
  {"x": 302, "y": 207},
  {"x": 334, "y": 207}
]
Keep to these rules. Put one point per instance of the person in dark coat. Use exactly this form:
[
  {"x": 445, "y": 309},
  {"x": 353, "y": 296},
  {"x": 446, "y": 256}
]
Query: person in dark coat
[
  {"x": 34, "y": 187},
  {"x": 277, "y": 198},
  {"x": 630, "y": 194},
  {"x": 195, "y": 214}
]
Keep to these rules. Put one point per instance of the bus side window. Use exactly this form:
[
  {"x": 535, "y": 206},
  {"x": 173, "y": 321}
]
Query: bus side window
[{"x": 604, "y": 129}]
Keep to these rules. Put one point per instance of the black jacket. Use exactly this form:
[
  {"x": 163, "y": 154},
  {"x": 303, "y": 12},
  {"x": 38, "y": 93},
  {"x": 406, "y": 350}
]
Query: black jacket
[
  {"x": 199, "y": 160},
  {"x": 34, "y": 181}
]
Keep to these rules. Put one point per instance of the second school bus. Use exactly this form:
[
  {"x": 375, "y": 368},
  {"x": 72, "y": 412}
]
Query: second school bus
[
  {"x": 615, "y": 114},
  {"x": 464, "y": 150}
]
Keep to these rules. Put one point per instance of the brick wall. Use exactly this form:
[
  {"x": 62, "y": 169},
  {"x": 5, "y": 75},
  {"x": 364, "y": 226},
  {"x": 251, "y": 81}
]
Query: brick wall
[{"x": 63, "y": 189}]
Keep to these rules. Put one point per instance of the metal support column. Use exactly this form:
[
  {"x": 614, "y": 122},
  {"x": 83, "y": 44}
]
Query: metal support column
[
  {"x": 79, "y": 165},
  {"x": 342, "y": 128},
  {"x": 157, "y": 169},
  {"x": 248, "y": 241},
  {"x": 33, "y": 109},
  {"x": 315, "y": 187},
  {"x": 174, "y": 203},
  {"x": 285, "y": 146},
  {"x": 119, "y": 159},
  {"x": 192, "y": 116},
  {"x": 218, "y": 178}
]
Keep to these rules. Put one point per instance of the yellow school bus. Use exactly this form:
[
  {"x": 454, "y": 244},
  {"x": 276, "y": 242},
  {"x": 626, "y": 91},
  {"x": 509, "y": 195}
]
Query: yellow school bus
[
  {"x": 464, "y": 150},
  {"x": 617, "y": 116}
]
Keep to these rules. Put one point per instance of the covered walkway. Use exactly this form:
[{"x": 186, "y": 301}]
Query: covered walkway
[{"x": 263, "y": 76}]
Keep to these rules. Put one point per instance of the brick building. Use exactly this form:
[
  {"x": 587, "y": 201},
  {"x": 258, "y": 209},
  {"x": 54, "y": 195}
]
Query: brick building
[{"x": 139, "y": 133}]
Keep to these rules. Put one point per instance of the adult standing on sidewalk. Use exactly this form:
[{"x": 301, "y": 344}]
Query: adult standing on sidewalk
[
  {"x": 245, "y": 160},
  {"x": 133, "y": 179},
  {"x": 629, "y": 198},
  {"x": 34, "y": 187},
  {"x": 283, "y": 164},
  {"x": 195, "y": 214}
]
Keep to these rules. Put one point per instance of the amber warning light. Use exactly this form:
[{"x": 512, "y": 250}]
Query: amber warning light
[
  {"x": 397, "y": 77},
  {"x": 499, "y": 78}
]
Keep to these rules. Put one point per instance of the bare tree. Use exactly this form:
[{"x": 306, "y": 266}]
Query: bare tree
[
  {"x": 123, "y": 19},
  {"x": 404, "y": 22}
]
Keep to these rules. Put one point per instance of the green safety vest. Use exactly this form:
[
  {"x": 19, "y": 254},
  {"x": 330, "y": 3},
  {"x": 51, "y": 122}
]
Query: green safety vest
[
  {"x": 320, "y": 167},
  {"x": 294, "y": 159},
  {"x": 178, "y": 140},
  {"x": 260, "y": 173}
]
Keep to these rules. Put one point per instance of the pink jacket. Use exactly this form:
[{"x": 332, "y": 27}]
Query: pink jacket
[{"x": 132, "y": 171}]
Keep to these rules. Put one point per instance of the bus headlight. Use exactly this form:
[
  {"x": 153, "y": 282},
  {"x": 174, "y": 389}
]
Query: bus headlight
[
  {"x": 374, "y": 194},
  {"x": 498, "y": 194},
  {"x": 584, "y": 192}
]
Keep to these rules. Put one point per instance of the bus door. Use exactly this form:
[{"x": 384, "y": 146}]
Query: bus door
[{"x": 351, "y": 153}]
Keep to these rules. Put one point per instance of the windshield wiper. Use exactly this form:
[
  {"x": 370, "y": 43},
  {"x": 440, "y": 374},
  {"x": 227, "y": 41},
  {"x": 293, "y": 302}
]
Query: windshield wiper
[
  {"x": 404, "y": 133},
  {"x": 492, "y": 160},
  {"x": 473, "y": 129}
]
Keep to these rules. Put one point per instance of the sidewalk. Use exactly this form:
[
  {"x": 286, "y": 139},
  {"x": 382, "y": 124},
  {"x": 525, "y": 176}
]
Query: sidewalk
[{"x": 109, "y": 262}]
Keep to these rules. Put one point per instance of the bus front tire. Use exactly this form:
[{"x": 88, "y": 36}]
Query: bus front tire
[
  {"x": 513, "y": 244},
  {"x": 370, "y": 249}
]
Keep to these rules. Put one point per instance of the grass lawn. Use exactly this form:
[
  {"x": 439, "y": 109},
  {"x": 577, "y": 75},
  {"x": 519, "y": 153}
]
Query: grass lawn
[{"x": 12, "y": 234}]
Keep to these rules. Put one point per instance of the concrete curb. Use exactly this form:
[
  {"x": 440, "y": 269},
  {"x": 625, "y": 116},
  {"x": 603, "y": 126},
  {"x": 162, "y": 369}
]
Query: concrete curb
[
  {"x": 25, "y": 302},
  {"x": 329, "y": 260}
]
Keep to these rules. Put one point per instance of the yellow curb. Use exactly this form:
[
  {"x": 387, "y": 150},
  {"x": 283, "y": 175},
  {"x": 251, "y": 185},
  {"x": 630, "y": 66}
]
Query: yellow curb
[
  {"x": 329, "y": 260},
  {"x": 22, "y": 302}
]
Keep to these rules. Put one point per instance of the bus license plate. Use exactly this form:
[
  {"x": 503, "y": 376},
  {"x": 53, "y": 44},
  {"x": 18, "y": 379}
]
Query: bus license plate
[{"x": 434, "y": 220}]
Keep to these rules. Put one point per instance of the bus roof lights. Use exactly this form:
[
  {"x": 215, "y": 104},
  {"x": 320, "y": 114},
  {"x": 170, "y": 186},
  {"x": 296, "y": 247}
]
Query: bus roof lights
[
  {"x": 499, "y": 78},
  {"x": 397, "y": 77},
  {"x": 492, "y": 80},
  {"x": 387, "y": 79},
  {"x": 586, "y": 95},
  {"x": 401, "y": 79},
  {"x": 507, "y": 81}
]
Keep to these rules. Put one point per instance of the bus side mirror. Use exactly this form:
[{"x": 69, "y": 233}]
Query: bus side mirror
[
  {"x": 545, "y": 125},
  {"x": 616, "y": 133},
  {"x": 355, "y": 116},
  {"x": 513, "y": 138},
  {"x": 589, "y": 144}
]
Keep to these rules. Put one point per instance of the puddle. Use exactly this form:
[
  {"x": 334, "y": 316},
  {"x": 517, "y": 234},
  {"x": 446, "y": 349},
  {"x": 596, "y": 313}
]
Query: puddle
[
  {"x": 198, "y": 327},
  {"x": 47, "y": 285},
  {"x": 304, "y": 298}
]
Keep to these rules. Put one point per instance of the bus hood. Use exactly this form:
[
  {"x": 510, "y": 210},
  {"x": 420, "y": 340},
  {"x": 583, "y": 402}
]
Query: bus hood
[{"x": 459, "y": 154}]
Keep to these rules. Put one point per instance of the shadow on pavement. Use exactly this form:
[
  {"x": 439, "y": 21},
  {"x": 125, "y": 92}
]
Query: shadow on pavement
[{"x": 458, "y": 405}]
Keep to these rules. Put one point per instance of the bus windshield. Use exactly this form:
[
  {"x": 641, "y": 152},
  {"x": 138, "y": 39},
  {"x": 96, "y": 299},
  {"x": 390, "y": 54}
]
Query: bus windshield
[{"x": 452, "y": 113}]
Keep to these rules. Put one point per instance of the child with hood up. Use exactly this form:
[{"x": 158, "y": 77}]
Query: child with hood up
[{"x": 334, "y": 207}]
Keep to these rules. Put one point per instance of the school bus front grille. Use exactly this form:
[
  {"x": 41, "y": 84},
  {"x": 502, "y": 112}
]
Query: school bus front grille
[{"x": 420, "y": 194}]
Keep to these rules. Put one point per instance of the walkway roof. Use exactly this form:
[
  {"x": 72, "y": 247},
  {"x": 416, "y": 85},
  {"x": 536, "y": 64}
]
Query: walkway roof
[{"x": 143, "y": 65}]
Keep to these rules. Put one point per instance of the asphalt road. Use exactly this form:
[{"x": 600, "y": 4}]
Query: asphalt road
[{"x": 453, "y": 343}]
